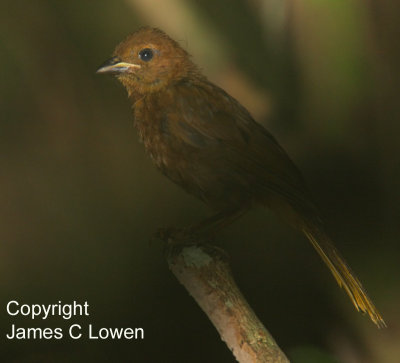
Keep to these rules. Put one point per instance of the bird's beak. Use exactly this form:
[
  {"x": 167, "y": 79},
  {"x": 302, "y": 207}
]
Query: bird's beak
[{"x": 115, "y": 65}]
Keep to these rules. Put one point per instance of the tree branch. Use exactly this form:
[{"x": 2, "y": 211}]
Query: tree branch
[{"x": 204, "y": 271}]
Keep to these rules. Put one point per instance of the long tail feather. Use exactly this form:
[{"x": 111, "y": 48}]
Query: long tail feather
[{"x": 343, "y": 275}]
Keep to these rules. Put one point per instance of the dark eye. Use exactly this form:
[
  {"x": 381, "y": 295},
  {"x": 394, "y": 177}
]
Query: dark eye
[{"x": 146, "y": 54}]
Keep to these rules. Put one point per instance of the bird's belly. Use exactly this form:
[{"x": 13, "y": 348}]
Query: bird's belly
[{"x": 202, "y": 173}]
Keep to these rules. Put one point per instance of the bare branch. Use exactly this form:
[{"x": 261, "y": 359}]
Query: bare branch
[{"x": 204, "y": 272}]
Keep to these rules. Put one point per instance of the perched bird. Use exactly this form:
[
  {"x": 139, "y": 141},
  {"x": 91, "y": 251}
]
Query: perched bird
[{"x": 208, "y": 143}]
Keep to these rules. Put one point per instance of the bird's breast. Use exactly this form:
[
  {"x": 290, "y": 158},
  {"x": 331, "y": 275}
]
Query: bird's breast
[{"x": 160, "y": 141}]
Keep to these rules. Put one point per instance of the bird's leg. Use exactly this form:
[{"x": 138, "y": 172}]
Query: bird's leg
[
  {"x": 202, "y": 231},
  {"x": 218, "y": 221}
]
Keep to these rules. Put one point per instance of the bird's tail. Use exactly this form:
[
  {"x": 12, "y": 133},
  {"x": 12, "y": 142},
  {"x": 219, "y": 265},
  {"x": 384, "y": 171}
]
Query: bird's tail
[{"x": 343, "y": 274}]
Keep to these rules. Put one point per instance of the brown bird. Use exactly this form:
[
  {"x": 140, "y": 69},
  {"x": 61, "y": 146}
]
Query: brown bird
[{"x": 208, "y": 143}]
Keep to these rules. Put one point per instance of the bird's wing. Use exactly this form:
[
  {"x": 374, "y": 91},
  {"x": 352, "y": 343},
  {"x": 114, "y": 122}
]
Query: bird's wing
[{"x": 206, "y": 117}]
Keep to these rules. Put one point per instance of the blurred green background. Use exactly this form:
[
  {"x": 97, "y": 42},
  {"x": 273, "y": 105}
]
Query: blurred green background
[{"x": 80, "y": 200}]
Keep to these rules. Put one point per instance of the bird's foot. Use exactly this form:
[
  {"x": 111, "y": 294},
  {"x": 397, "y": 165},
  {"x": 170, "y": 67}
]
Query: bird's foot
[
  {"x": 179, "y": 236},
  {"x": 176, "y": 239}
]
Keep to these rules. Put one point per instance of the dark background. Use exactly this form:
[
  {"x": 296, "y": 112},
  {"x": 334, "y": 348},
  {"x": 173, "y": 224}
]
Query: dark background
[{"x": 80, "y": 200}]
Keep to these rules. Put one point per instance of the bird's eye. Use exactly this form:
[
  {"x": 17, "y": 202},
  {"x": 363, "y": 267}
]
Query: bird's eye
[{"x": 146, "y": 54}]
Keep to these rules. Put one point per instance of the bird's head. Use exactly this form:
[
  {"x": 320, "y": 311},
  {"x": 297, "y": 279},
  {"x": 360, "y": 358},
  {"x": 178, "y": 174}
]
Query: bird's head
[{"x": 148, "y": 60}]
